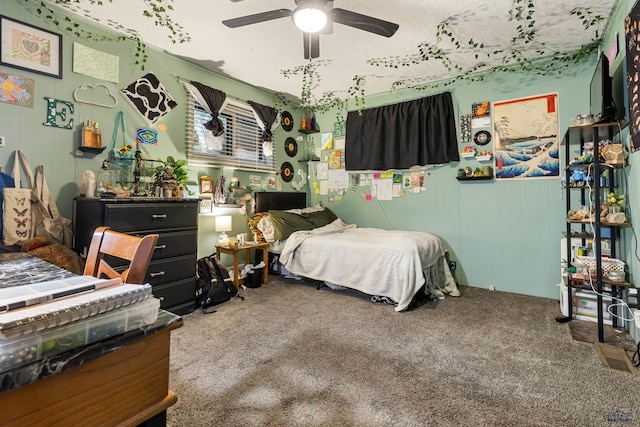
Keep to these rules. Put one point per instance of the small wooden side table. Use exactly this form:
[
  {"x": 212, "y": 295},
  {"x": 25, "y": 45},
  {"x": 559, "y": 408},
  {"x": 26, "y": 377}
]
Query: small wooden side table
[{"x": 235, "y": 250}]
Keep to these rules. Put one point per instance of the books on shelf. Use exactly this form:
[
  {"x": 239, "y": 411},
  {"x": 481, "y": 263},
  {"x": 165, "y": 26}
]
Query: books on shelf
[{"x": 99, "y": 296}]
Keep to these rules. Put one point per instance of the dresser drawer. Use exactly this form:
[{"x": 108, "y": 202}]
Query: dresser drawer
[
  {"x": 171, "y": 269},
  {"x": 151, "y": 217},
  {"x": 175, "y": 293},
  {"x": 169, "y": 245},
  {"x": 175, "y": 244}
]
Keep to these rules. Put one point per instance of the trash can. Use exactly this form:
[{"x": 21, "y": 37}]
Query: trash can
[{"x": 254, "y": 278}]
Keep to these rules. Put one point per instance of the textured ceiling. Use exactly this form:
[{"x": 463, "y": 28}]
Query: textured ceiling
[{"x": 257, "y": 54}]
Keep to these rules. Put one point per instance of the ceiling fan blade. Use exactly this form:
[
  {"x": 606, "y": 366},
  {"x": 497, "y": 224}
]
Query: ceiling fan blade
[
  {"x": 328, "y": 28},
  {"x": 363, "y": 22},
  {"x": 256, "y": 18},
  {"x": 311, "y": 43}
]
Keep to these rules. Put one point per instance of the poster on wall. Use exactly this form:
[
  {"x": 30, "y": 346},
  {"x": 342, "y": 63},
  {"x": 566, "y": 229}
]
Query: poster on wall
[
  {"x": 16, "y": 89},
  {"x": 632, "y": 32},
  {"x": 149, "y": 98},
  {"x": 481, "y": 114},
  {"x": 526, "y": 138},
  {"x": 94, "y": 63}
]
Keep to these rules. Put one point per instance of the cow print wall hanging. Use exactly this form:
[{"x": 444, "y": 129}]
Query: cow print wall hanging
[{"x": 149, "y": 98}]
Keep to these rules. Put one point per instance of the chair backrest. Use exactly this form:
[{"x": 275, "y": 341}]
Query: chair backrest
[{"x": 137, "y": 250}]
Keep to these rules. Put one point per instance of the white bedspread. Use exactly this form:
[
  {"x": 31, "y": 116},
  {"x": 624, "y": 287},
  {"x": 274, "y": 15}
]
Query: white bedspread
[{"x": 389, "y": 263}]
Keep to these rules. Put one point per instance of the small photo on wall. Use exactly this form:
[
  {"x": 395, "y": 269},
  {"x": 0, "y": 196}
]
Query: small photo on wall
[
  {"x": 480, "y": 114},
  {"x": 206, "y": 185}
]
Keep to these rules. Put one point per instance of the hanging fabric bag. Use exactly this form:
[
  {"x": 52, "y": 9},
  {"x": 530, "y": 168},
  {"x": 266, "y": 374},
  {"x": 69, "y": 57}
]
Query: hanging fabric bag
[
  {"x": 46, "y": 218},
  {"x": 121, "y": 155},
  {"x": 16, "y": 215}
]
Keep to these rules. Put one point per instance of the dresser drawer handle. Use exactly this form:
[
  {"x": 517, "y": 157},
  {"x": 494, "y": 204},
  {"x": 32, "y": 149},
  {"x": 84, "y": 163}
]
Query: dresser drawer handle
[
  {"x": 160, "y": 247},
  {"x": 159, "y": 273},
  {"x": 159, "y": 216}
]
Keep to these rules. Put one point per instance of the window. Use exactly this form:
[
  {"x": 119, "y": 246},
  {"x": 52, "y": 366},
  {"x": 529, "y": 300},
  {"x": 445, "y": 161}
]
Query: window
[{"x": 239, "y": 146}]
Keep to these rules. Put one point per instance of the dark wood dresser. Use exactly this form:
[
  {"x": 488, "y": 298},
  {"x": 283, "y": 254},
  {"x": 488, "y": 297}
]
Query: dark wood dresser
[{"x": 172, "y": 268}]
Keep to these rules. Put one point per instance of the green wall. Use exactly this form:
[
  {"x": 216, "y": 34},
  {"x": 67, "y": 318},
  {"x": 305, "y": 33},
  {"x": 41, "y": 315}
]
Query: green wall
[
  {"x": 55, "y": 148},
  {"x": 505, "y": 234},
  {"x": 501, "y": 233}
]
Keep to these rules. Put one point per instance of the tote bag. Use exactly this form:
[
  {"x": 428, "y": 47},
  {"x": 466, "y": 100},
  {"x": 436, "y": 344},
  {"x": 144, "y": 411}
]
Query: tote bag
[
  {"x": 45, "y": 217},
  {"x": 6, "y": 180},
  {"x": 16, "y": 214}
]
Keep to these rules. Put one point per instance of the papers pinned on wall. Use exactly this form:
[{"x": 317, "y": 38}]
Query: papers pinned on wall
[{"x": 338, "y": 178}]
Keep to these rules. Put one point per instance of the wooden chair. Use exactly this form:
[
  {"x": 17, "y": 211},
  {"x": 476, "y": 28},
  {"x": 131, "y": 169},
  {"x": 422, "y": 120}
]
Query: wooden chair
[{"x": 136, "y": 250}]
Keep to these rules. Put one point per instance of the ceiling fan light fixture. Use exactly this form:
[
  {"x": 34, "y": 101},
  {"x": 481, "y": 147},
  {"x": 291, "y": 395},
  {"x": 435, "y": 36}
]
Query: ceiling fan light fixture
[{"x": 309, "y": 19}]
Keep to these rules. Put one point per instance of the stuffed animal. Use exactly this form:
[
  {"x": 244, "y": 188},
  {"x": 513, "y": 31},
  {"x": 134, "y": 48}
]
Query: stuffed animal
[{"x": 55, "y": 253}]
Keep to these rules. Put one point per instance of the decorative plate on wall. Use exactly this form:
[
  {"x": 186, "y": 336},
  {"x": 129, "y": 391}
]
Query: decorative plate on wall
[
  {"x": 286, "y": 121},
  {"x": 290, "y": 147},
  {"x": 482, "y": 137},
  {"x": 286, "y": 172}
]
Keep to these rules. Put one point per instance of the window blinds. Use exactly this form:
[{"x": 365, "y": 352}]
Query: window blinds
[{"x": 239, "y": 147}]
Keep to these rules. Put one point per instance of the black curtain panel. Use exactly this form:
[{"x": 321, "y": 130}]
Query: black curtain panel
[
  {"x": 212, "y": 100},
  {"x": 267, "y": 118},
  {"x": 399, "y": 136}
]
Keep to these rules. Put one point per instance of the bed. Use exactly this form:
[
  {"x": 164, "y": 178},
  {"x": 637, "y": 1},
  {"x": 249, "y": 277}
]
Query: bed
[{"x": 385, "y": 263}]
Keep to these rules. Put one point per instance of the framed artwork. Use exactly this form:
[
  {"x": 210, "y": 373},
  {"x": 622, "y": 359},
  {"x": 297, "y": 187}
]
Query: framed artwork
[
  {"x": 206, "y": 185},
  {"x": 30, "y": 48},
  {"x": 526, "y": 138},
  {"x": 206, "y": 206},
  {"x": 255, "y": 181}
]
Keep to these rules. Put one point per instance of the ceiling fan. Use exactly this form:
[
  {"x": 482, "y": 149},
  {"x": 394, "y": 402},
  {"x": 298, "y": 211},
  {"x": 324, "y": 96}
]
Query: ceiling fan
[{"x": 315, "y": 17}]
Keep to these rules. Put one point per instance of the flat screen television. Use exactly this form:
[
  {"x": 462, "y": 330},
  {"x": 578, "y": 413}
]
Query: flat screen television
[{"x": 602, "y": 106}]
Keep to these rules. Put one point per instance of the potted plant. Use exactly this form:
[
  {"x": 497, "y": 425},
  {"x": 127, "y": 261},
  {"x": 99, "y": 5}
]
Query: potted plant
[{"x": 171, "y": 175}]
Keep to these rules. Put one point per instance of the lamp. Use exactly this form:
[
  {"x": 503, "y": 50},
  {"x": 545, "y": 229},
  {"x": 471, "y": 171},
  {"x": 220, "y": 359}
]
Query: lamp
[
  {"x": 223, "y": 224},
  {"x": 309, "y": 19}
]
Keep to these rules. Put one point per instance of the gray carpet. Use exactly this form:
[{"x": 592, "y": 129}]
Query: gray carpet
[{"x": 289, "y": 355}]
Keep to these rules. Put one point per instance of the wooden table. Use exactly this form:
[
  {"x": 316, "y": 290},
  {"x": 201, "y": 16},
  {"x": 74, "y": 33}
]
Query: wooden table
[
  {"x": 235, "y": 251},
  {"x": 120, "y": 381}
]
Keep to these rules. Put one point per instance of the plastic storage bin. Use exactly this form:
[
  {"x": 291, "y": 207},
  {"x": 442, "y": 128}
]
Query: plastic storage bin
[
  {"x": 585, "y": 305},
  {"x": 15, "y": 352}
]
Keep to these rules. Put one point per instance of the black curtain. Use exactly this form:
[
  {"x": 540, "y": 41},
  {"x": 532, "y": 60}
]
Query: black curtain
[
  {"x": 399, "y": 136},
  {"x": 267, "y": 119},
  {"x": 214, "y": 99}
]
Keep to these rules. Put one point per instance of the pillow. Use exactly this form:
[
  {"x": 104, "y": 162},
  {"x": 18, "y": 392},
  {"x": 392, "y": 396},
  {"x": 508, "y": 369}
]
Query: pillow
[
  {"x": 262, "y": 222},
  {"x": 253, "y": 225},
  {"x": 321, "y": 218},
  {"x": 316, "y": 208},
  {"x": 266, "y": 227},
  {"x": 285, "y": 223}
]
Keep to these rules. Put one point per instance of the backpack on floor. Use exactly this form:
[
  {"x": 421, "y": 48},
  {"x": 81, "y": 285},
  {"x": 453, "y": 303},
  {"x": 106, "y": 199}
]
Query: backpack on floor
[{"x": 213, "y": 284}]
